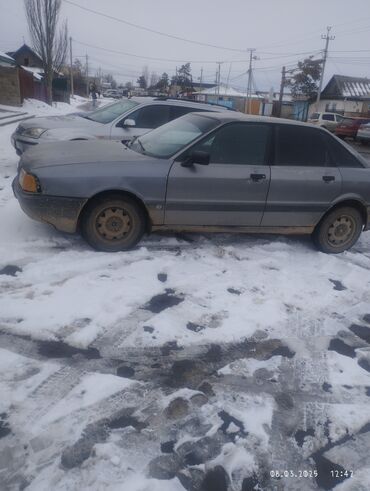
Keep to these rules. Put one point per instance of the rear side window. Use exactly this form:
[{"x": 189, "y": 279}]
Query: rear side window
[
  {"x": 328, "y": 117},
  {"x": 339, "y": 155},
  {"x": 297, "y": 145}
]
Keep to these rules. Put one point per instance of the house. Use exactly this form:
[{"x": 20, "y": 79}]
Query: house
[
  {"x": 25, "y": 56},
  {"x": 345, "y": 95},
  {"x": 229, "y": 97},
  {"x": 14, "y": 81},
  {"x": 29, "y": 61}
]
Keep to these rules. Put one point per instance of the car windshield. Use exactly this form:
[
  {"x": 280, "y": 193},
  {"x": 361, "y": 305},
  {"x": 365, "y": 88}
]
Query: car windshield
[
  {"x": 109, "y": 113},
  {"x": 168, "y": 139},
  {"x": 315, "y": 116}
]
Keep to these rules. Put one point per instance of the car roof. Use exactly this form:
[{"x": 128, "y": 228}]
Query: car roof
[{"x": 179, "y": 102}]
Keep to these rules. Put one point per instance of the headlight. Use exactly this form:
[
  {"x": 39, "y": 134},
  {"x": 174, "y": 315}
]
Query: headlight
[
  {"x": 29, "y": 182},
  {"x": 34, "y": 132}
]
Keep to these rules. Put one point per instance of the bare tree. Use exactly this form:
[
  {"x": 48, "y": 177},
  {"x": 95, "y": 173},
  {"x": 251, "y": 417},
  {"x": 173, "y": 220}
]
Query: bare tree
[{"x": 49, "y": 43}]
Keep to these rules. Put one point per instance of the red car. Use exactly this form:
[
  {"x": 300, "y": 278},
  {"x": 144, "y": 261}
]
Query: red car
[{"x": 349, "y": 126}]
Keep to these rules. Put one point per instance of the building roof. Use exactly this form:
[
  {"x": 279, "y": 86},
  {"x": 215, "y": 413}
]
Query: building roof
[
  {"x": 37, "y": 73},
  {"x": 6, "y": 59},
  {"x": 226, "y": 91},
  {"x": 24, "y": 47},
  {"x": 342, "y": 86}
]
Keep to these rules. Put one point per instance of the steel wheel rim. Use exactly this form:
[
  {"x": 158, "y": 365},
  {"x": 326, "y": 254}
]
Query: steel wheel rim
[
  {"x": 341, "y": 231},
  {"x": 113, "y": 223}
]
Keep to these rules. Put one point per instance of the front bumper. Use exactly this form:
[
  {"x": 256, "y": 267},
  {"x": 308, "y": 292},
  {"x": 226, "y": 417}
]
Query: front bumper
[
  {"x": 61, "y": 212},
  {"x": 350, "y": 133}
]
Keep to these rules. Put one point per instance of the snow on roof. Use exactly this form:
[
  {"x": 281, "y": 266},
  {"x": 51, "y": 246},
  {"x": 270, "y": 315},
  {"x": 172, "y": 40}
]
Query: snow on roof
[
  {"x": 7, "y": 57},
  {"x": 353, "y": 86},
  {"x": 225, "y": 91},
  {"x": 37, "y": 72}
]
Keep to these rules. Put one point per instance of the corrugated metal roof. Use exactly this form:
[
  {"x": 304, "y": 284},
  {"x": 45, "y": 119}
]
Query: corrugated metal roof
[{"x": 353, "y": 86}]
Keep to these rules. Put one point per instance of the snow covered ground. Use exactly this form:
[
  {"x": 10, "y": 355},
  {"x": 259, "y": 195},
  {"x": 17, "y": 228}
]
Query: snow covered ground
[{"x": 198, "y": 362}]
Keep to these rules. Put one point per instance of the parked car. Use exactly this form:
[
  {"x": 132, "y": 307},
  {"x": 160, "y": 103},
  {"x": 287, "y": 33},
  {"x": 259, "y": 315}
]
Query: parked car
[
  {"x": 122, "y": 120},
  {"x": 202, "y": 172},
  {"x": 326, "y": 120},
  {"x": 112, "y": 93},
  {"x": 363, "y": 134},
  {"x": 349, "y": 126}
]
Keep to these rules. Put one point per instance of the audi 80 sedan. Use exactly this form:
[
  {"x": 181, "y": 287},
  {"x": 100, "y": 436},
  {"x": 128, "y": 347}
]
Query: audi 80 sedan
[
  {"x": 202, "y": 172},
  {"x": 121, "y": 120}
]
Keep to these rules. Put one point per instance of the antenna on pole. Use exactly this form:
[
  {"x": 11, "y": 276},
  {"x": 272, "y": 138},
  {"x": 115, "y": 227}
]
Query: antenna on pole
[{"x": 327, "y": 38}]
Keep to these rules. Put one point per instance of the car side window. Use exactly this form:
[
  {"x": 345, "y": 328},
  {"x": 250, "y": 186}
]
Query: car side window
[
  {"x": 328, "y": 117},
  {"x": 237, "y": 143},
  {"x": 150, "y": 116},
  {"x": 339, "y": 155},
  {"x": 300, "y": 146}
]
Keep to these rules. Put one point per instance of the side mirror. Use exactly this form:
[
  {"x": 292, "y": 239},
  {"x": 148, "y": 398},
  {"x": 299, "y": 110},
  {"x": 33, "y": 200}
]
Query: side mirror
[
  {"x": 196, "y": 157},
  {"x": 129, "y": 122}
]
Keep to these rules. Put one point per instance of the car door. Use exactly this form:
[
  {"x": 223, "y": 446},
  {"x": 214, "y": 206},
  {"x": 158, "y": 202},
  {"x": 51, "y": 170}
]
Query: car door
[
  {"x": 140, "y": 121},
  {"x": 328, "y": 120},
  {"x": 232, "y": 189},
  {"x": 303, "y": 182}
]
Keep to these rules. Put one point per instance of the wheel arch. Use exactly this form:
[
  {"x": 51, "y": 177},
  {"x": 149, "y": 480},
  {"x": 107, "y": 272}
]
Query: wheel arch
[
  {"x": 123, "y": 194},
  {"x": 350, "y": 202}
]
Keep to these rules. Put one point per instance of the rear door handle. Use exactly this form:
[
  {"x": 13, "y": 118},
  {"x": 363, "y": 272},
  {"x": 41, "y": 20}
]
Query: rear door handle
[
  {"x": 257, "y": 177},
  {"x": 328, "y": 178}
]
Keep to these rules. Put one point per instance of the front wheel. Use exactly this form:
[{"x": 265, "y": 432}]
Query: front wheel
[
  {"x": 339, "y": 230},
  {"x": 113, "y": 223}
]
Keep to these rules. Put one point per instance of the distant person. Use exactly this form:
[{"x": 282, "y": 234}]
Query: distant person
[{"x": 93, "y": 94}]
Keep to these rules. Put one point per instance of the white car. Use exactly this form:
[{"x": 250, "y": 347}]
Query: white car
[
  {"x": 122, "y": 120},
  {"x": 326, "y": 120},
  {"x": 363, "y": 134}
]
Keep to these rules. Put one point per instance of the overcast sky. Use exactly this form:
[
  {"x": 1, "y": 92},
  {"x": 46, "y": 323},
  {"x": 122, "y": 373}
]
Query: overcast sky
[{"x": 282, "y": 31}]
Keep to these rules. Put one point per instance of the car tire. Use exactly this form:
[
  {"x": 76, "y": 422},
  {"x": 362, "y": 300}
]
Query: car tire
[
  {"x": 339, "y": 230},
  {"x": 113, "y": 223}
]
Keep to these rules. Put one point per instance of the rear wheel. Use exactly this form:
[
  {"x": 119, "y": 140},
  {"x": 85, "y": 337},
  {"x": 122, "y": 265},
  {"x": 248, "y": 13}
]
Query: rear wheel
[
  {"x": 113, "y": 223},
  {"x": 339, "y": 230}
]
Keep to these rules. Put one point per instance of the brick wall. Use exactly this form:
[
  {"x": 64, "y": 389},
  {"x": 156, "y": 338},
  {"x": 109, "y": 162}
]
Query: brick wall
[{"x": 9, "y": 86}]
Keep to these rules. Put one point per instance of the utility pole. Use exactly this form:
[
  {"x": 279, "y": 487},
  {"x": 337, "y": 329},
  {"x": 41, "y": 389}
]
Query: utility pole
[
  {"x": 201, "y": 80},
  {"x": 71, "y": 65},
  {"x": 87, "y": 75},
  {"x": 218, "y": 79},
  {"x": 327, "y": 38},
  {"x": 249, "y": 86},
  {"x": 282, "y": 85}
]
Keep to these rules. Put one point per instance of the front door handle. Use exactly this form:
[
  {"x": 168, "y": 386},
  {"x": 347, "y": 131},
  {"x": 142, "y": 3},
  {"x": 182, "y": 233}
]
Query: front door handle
[
  {"x": 328, "y": 178},
  {"x": 257, "y": 177}
]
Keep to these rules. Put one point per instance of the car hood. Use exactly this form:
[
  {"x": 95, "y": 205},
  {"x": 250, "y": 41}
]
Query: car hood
[
  {"x": 78, "y": 152},
  {"x": 53, "y": 122}
]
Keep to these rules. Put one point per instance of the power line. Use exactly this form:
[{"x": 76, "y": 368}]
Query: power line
[
  {"x": 148, "y": 29},
  {"x": 151, "y": 57}
]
